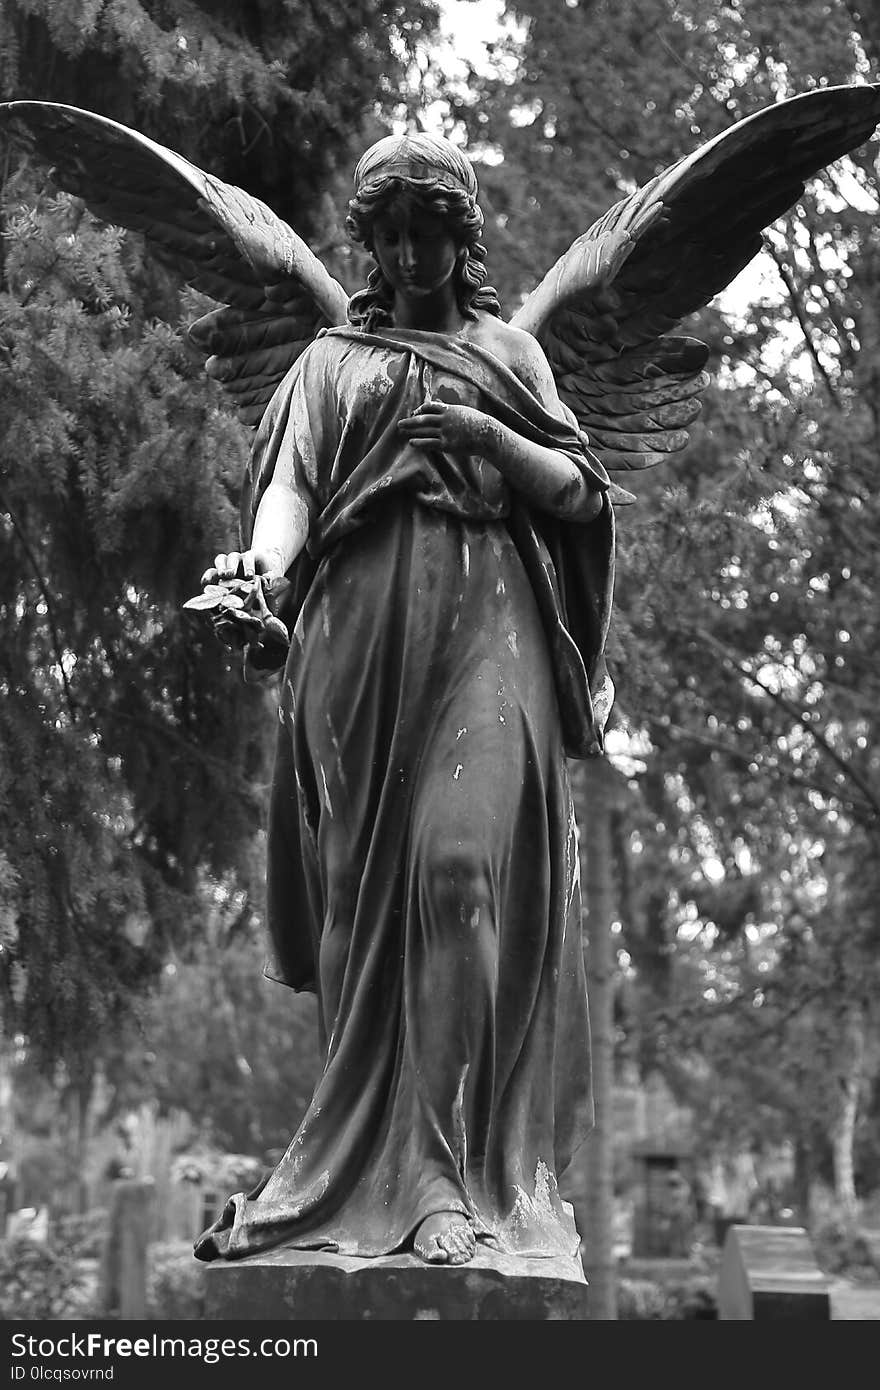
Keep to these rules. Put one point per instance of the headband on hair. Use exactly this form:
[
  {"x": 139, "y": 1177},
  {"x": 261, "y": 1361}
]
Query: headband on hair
[{"x": 421, "y": 158}]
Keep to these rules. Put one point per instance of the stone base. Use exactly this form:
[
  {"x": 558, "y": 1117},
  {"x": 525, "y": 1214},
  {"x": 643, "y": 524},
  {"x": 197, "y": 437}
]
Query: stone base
[{"x": 312, "y": 1285}]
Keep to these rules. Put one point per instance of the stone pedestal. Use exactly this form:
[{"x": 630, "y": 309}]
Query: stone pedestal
[{"x": 311, "y": 1285}]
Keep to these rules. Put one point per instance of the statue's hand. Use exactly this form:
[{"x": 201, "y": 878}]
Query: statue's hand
[
  {"x": 239, "y": 592},
  {"x": 244, "y": 564},
  {"x": 440, "y": 425}
]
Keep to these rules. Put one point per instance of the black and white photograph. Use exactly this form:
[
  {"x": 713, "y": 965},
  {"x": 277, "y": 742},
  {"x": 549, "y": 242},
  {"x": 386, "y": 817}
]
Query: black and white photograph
[{"x": 439, "y": 673}]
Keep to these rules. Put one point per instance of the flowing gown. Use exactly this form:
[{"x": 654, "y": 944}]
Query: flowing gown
[{"x": 422, "y": 856}]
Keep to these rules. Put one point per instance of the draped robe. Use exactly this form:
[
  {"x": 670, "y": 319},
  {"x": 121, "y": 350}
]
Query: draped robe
[{"x": 446, "y": 654}]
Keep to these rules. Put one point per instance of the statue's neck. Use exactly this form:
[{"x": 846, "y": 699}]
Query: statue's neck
[{"x": 434, "y": 313}]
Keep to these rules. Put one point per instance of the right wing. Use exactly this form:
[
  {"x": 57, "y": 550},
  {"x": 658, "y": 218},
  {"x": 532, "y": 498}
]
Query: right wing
[
  {"x": 221, "y": 240},
  {"x": 603, "y": 313}
]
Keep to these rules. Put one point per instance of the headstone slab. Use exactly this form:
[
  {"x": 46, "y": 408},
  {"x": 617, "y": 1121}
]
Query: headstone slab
[
  {"x": 770, "y": 1272},
  {"x": 315, "y": 1285},
  {"x": 123, "y": 1267}
]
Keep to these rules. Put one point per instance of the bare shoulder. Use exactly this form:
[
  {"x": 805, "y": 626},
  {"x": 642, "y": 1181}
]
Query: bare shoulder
[{"x": 518, "y": 350}]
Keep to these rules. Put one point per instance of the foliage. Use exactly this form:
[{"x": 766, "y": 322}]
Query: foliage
[
  {"x": 639, "y": 1300},
  {"x": 841, "y": 1250},
  {"x": 134, "y": 759},
  {"x": 81, "y": 1237},
  {"x": 41, "y": 1281},
  {"x": 237, "y": 1052},
  {"x": 271, "y": 95},
  {"x": 175, "y": 1283},
  {"x": 745, "y": 639},
  {"x": 213, "y": 1168},
  {"x": 215, "y": 1040},
  {"x": 682, "y": 1299}
]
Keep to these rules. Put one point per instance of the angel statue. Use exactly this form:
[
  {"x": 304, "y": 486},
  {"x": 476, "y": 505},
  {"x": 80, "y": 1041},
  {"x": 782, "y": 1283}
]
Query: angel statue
[{"x": 427, "y": 553}]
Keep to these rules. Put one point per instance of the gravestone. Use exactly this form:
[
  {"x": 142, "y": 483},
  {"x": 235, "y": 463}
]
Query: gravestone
[
  {"x": 664, "y": 1211},
  {"x": 123, "y": 1275},
  {"x": 770, "y": 1272}
]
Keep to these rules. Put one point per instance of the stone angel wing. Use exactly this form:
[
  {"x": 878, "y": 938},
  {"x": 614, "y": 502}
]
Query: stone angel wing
[
  {"x": 603, "y": 313},
  {"x": 275, "y": 293}
]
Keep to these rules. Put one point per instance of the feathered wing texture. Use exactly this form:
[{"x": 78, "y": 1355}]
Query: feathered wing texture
[
  {"x": 604, "y": 311},
  {"x": 225, "y": 243}
]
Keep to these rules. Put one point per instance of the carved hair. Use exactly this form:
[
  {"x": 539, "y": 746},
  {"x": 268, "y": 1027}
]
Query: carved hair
[{"x": 441, "y": 181}]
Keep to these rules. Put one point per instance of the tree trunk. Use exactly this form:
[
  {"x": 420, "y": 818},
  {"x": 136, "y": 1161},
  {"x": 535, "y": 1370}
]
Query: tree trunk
[
  {"x": 81, "y": 1125},
  {"x": 804, "y": 1173},
  {"x": 597, "y": 882},
  {"x": 843, "y": 1136}
]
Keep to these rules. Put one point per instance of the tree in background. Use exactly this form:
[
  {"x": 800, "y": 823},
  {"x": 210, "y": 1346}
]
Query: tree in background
[
  {"x": 745, "y": 635},
  {"x": 134, "y": 759}
]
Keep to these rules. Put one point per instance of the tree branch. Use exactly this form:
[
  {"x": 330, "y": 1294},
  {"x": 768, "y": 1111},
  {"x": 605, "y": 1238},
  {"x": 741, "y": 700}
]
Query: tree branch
[
  {"x": 50, "y": 615},
  {"x": 797, "y": 305},
  {"x": 249, "y": 791},
  {"x": 797, "y": 714}
]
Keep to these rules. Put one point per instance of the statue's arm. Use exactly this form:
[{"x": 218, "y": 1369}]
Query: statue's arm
[
  {"x": 243, "y": 588},
  {"x": 281, "y": 529},
  {"x": 299, "y": 432},
  {"x": 549, "y": 479}
]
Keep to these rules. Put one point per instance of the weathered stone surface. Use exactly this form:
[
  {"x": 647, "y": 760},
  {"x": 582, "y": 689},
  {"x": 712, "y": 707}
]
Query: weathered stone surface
[
  {"x": 770, "y": 1272},
  {"x": 310, "y": 1285}
]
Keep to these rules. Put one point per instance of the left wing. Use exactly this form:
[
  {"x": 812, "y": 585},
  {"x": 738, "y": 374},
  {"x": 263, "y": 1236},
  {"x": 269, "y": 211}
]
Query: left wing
[
  {"x": 603, "y": 313},
  {"x": 276, "y": 293}
]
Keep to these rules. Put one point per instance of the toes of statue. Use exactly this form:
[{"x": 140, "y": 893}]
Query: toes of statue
[{"x": 445, "y": 1238}]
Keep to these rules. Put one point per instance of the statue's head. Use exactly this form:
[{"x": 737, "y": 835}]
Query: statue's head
[
  {"x": 421, "y": 162},
  {"x": 436, "y": 177}
]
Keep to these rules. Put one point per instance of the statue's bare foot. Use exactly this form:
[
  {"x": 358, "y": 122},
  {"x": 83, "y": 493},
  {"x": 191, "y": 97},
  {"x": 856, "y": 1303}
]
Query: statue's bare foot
[{"x": 445, "y": 1238}]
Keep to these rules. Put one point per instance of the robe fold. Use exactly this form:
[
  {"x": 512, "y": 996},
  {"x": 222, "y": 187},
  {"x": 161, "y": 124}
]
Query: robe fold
[{"x": 446, "y": 654}]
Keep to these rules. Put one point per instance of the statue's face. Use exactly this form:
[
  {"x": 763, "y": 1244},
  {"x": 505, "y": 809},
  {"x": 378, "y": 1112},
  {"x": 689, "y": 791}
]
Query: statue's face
[{"x": 415, "y": 249}]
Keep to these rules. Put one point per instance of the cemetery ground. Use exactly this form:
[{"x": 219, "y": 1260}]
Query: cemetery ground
[
  {"x": 111, "y": 1236},
  {"x": 104, "y": 1264}
]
